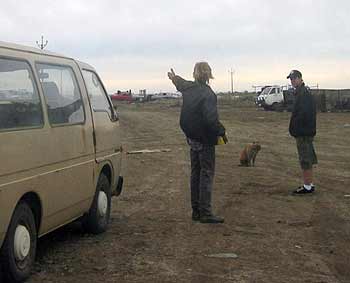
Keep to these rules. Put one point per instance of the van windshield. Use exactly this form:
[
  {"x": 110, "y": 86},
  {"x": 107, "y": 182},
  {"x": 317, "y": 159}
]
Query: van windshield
[{"x": 266, "y": 90}]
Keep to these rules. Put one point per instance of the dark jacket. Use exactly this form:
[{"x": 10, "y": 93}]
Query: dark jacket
[
  {"x": 199, "y": 116},
  {"x": 303, "y": 119}
]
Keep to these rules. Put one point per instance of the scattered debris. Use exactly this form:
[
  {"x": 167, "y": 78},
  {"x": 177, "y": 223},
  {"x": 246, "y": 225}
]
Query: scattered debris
[
  {"x": 99, "y": 268},
  {"x": 148, "y": 151},
  {"x": 223, "y": 255},
  {"x": 300, "y": 223},
  {"x": 298, "y": 247}
]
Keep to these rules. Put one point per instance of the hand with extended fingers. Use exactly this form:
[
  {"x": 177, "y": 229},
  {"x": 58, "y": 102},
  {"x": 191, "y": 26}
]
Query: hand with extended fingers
[{"x": 171, "y": 74}]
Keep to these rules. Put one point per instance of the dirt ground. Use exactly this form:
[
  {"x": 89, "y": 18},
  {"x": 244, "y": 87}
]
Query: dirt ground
[{"x": 276, "y": 236}]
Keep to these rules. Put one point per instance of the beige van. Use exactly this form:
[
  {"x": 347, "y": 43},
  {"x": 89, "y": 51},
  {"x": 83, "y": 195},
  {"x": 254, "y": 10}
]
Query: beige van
[{"x": 60, "y": 151}]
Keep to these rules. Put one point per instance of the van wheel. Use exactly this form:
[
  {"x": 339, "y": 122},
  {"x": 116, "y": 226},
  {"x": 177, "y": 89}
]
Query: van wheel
[
  {"x": 274, "y": 106},
  {"x": 96, "y": 221},
  {"x": 18, "y": 251}
]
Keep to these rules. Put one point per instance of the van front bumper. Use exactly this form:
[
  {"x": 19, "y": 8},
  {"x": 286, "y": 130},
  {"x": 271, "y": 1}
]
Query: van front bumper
[{"x": 260, "y": 101}]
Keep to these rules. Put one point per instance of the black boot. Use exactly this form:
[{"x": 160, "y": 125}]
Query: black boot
[
  {"x": 210, "y": 218},
  {"x": 195, "y": 215}
]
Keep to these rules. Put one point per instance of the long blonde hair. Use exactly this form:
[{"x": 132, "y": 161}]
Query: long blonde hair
[{"x": 202, "y": 72}]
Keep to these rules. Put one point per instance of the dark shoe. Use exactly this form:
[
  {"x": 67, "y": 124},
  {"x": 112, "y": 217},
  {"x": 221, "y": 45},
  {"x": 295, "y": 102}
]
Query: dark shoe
[
  {"x": 195, "y": 215},
  {"x": 211, "y": 219},
  {"x": 302, "y": 190}
]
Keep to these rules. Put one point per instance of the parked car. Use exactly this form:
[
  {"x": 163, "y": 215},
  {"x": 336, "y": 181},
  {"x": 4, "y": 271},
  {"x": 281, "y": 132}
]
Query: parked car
[
  {"x": 166, "y": 95},
  {"x": 122, "y": 96},
  {"x": 60, "y": 148}
]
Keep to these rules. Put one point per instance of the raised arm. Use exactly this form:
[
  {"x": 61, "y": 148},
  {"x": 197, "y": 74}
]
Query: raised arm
[{"x": 179, "y": 82}]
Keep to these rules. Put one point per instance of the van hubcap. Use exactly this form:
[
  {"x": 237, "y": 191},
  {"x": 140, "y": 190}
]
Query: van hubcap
[
  {"x": 21, "y": 242},
  {"x": 102, "y": 203}
]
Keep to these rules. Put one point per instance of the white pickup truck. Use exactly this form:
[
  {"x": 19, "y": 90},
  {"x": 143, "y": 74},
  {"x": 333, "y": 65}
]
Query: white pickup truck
[{"x": 275, "y": 98}]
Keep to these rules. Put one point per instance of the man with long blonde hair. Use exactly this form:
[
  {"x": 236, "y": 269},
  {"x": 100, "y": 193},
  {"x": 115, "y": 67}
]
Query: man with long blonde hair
[{"x": 200, "y": 122}]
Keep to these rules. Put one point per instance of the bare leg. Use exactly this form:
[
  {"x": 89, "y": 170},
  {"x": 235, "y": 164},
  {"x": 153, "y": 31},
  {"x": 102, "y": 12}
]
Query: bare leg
[{"x": 307, "y": 176}]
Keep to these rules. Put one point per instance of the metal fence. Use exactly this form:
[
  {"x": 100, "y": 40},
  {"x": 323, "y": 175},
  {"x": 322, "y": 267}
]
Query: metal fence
[
  {"x": 330, "y": 100},
  {"x": 327, "y": 100}
]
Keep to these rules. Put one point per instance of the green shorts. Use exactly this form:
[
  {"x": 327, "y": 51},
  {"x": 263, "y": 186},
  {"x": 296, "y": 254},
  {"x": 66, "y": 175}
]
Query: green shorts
[{"x": 306, "y": 151}]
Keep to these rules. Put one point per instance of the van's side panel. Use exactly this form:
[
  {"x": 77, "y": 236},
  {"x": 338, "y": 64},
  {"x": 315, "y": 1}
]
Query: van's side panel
[
  {"x": 73, "y": 188},
  {"x": 107, "y": 135},
  {"x": 108, "y": 143},
  {"x": 20, "y": 160}
]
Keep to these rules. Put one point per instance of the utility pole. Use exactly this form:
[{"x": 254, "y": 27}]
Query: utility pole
[
  {"x": 41, "y": 44},
  {"x": 231, "y": 75}
]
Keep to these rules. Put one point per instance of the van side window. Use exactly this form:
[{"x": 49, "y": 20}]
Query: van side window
[
  {"x": 273, "y": 90},
  {"x": 62, "y": 94},
  {"x": 98, "y": 98},
  {"x": 20, "y": 105}
]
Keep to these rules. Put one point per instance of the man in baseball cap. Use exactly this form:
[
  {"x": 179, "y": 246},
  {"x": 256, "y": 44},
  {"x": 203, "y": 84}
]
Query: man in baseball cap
[
  {"x": 302, "y": 127},
  {"x": 294, "y": 74}
]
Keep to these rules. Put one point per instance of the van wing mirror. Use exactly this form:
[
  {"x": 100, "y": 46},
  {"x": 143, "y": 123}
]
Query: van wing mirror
[{"x": 115, "y": 116}]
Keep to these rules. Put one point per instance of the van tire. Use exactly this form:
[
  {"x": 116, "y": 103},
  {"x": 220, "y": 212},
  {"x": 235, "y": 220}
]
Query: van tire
[
  {"x": 274, "y": 106},
  {"x": 97, "y": 219},
  {"x": 17, "y": 263}
]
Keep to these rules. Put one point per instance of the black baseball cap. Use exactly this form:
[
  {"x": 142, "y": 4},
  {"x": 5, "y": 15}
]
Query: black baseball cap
[{"x": 294, "y": 74}]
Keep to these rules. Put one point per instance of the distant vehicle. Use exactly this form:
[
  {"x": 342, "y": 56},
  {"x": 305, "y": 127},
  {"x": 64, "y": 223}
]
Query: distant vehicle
[
  {"x": 275, "y": 98},
  {"x": 122, "y": 96},
  {"x": 142, "y": 97},
  {"x": 166, "y": 95}
]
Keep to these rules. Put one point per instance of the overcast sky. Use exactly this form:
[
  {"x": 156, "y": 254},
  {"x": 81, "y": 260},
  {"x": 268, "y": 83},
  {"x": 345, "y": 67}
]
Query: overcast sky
[{"x": 132, "y": 44}]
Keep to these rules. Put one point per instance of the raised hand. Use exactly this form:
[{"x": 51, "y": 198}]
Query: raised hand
[{"x": 171, "y": 74}]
